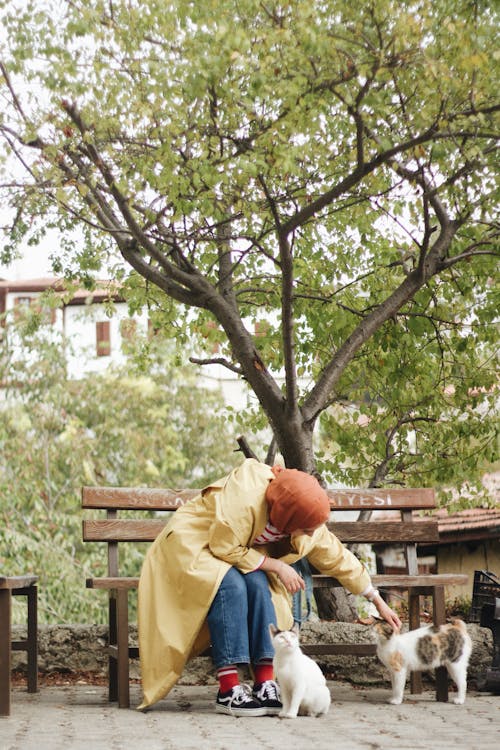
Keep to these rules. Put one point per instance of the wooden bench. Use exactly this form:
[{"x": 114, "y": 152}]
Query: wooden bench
[
  {"x": 17, "y": 586},
  {"x": 408, "y": 531}
]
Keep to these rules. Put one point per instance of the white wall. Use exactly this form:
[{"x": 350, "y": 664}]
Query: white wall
[
  {"x": 77, "y": 323},
  {"x": 80, "y": 332}
]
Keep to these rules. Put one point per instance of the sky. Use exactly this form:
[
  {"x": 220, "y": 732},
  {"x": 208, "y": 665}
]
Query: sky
[{"x": 33, "y": 264}]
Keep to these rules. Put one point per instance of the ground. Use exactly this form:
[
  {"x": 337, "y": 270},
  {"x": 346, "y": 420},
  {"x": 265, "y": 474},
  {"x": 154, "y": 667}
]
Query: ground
[{"x": 61, "y": 679}]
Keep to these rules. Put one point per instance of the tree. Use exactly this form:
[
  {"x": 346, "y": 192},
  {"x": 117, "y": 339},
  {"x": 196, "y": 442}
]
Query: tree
[
  {"x": 314, "y": 182},
  {"x": 118, "y": 428}
]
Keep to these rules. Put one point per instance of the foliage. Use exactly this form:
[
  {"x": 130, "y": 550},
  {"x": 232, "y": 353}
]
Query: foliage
[
  {"x": 422, "y": 421},
  {"x": 116, "y": 428},
  {"x": 316, "y": 182},
  {"x": 459, "y": 607}
]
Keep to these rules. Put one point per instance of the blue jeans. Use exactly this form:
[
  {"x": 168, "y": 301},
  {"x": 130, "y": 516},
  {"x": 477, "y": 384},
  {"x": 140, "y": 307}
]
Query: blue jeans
[{"x": 239, "y": 619}]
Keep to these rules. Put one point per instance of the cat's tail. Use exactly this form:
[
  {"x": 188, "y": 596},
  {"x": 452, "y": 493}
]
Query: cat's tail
[{"x": 458, "y": 623}]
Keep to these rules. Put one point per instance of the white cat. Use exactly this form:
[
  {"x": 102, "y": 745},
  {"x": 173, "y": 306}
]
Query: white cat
[
  {"x": 425, "y": 648},
  {"x": 302, "y": 683}
]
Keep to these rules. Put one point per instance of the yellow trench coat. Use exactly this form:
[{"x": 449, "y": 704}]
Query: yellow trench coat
[{"x": 185, "y": 565}]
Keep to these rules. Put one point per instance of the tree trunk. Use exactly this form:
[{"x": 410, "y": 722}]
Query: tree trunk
[{"x": 335, "y": 604}]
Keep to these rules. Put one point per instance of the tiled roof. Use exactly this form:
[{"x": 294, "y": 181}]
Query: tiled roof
[
  {"x": 471, "y": 524},
  {"x": 467, "y": 520},
  {"x": 104, "y": 289},
  {"x": 30, "y": 285},
  {"x": 462, "y": 520}
]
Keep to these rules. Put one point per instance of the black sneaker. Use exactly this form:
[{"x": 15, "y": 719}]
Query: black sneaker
[
  {"x": 239, "y": 702},
  {"x": 268, "y": 695}
]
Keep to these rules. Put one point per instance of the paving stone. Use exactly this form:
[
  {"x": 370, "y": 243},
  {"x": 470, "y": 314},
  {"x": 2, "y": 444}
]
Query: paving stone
[{"x": 78, "y": 717}]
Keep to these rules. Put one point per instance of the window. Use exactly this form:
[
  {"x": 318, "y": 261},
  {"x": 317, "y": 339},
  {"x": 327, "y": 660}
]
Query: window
[
  {"x": 128, "y": 329},
  {"x": 22, "y": 301},
  {"x": 103, "y": 338},
  {"x": 21, "y": 305}
]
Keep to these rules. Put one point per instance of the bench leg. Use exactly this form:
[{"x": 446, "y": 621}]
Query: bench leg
[
  {"x": 112, "y": 659},
  {"x": 123, "y": 653},
  {"x": 439, "y": 616},
  {"x": 32, "y": 638},
  {"x": 414, "y": 623},
  {"x": 5, "y": 650}
]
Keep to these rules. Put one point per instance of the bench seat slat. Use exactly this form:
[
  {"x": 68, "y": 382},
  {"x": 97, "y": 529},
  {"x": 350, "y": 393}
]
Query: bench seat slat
[
  {"x": 17, "y": 582},
  {"x": 333, "y": 649},
  {"x": 106, "y": 582},
  {"x": 122, "y": 530},
  {"x": 422, "y": 580},
  {"x": 146, "y": 530},
  {"x": 381, "y": 531},
  {"x": 135, "y": 498},
  {"x": 399, "y": 498},
  {"x": 320, "y": 581},
  {"x": 149, "y": 498}
]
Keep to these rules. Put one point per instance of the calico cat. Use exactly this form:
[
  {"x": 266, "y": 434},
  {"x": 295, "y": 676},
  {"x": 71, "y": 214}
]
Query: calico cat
[
  {"x": 302, "y": 684},
  {"x": 422, "y": 649}
]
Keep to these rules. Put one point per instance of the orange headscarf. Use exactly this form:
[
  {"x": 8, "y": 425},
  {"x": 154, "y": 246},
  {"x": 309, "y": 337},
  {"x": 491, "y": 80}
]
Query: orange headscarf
[{"x": 296, "y": 500}]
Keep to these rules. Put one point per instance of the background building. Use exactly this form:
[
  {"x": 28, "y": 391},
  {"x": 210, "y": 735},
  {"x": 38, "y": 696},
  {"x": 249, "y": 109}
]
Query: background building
[
  {"x": 83, "y": 318},
  {"x": 96, "y": 324}
]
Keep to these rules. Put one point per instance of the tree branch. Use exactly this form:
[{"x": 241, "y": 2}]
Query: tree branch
[
  {"x": 245, "y": 448},
  {"x": 320, "y": 393},
  {"x": 217, "y": 361},
  {"x": 225, "y": 264}
]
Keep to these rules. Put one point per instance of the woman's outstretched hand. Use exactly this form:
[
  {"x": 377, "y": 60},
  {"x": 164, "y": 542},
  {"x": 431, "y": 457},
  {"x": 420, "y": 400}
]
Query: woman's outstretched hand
[{"x": 386, "y": 612}]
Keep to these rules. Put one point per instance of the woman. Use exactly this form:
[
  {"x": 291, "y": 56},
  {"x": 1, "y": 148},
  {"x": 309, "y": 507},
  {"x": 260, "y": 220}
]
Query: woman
[{"x": 220, "y": 572}]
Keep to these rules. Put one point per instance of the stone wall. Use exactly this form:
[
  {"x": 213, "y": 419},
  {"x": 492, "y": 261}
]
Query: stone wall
[{"x": 77, "y": 648}]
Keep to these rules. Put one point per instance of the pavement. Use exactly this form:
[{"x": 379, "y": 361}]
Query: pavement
[{"x": 78, "y": 717}]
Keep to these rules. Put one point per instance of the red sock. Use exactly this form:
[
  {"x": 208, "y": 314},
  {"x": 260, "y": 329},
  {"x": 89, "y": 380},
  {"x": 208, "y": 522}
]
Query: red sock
[
  {"x": 263, "y": 671},
  {"x": 228, "y": 677}
]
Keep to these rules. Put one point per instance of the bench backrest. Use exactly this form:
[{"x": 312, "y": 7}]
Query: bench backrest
[{"x": 406, "y": 529}]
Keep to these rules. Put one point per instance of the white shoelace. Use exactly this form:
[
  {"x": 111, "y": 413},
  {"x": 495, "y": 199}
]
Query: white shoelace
[
  {"x": 241, "y": 694},
  {"x": 270, "y": 690}
]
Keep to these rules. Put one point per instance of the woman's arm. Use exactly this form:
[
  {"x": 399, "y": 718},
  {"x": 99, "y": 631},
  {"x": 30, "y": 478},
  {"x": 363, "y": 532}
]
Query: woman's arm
[
  {"x": 288, "y": 576},
  {"x": 332, "y": 558}
]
